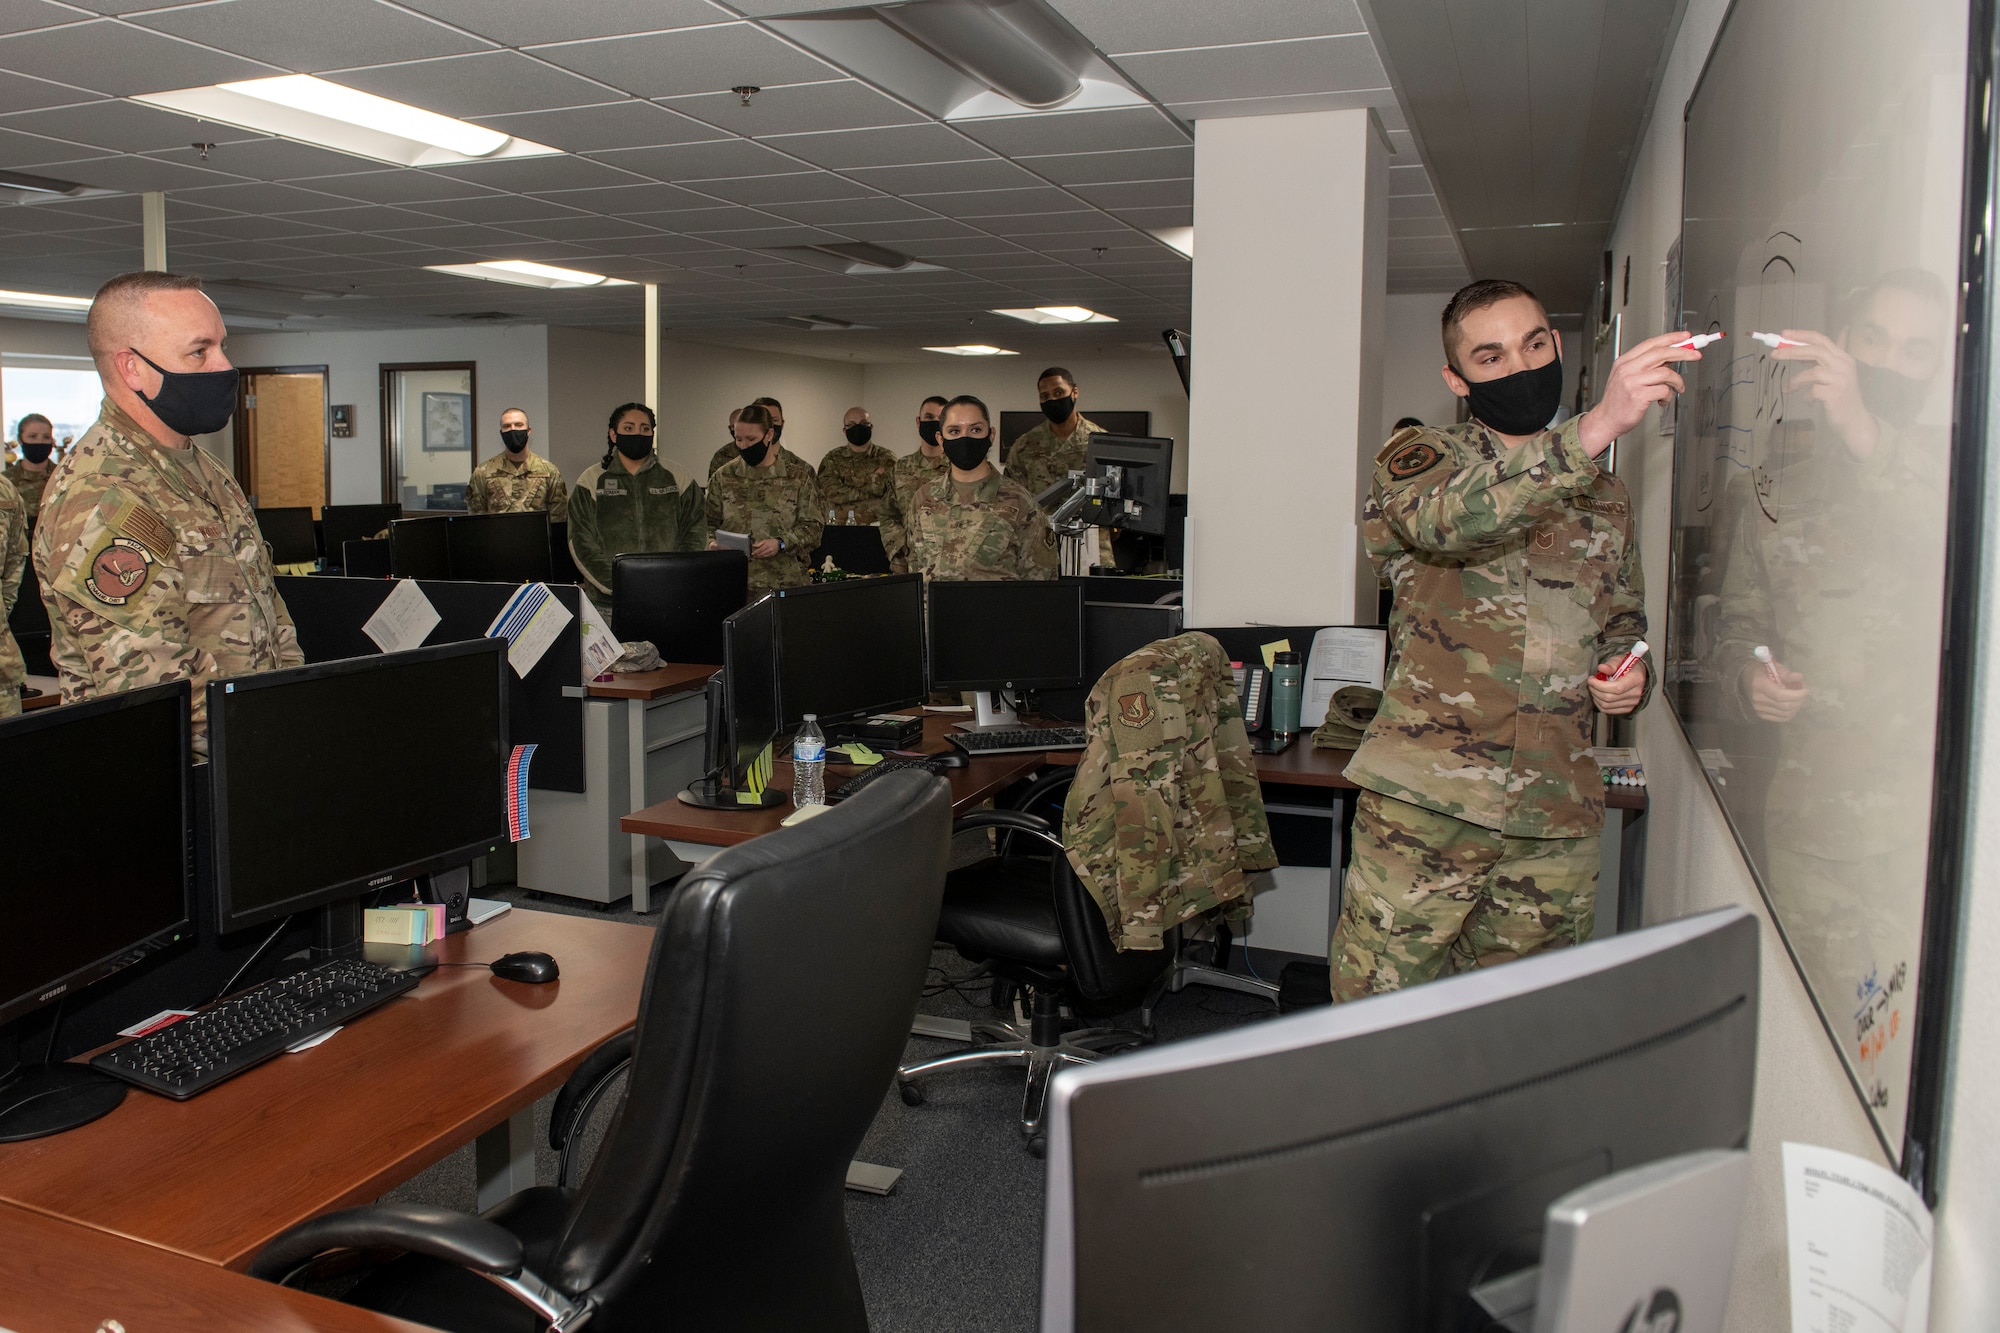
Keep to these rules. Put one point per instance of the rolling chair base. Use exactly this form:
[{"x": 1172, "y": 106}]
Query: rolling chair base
[{"x": 1201, "y": 974}]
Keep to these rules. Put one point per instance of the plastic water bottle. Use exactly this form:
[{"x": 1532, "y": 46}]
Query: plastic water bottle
[{"x": 809, "y": 764}]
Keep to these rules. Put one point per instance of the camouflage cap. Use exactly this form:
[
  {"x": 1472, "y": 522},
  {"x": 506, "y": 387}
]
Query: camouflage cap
[{"x": 1352, "y": 708}]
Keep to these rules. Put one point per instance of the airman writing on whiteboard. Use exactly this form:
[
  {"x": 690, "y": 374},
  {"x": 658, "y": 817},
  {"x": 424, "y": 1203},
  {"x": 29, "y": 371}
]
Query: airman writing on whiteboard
[{"x": 1516, "y": 567}]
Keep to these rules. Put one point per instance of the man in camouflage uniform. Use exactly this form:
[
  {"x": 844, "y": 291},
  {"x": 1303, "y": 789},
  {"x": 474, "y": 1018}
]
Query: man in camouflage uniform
[
  {"x": 30, "y": 473},
  {"x": 13, "y": 568},
  {"x": 975, "y": 523},
  {"x": 1165, "y": 820},
  {"x": 926, "y": 463},
  {"x": 517, "y": 480},
  {"x": 1517, "y": 574},
  {"x": 629, "y": 503},
  {"x": 1052, "y": 450},
  {"x": 151, "y": 564},
  {"x": 771, "y": 495},
  {"x": 856, "y": 484}
]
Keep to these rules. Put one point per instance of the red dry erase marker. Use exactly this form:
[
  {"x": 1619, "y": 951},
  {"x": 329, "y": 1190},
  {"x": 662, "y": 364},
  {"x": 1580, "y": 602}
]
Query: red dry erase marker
[
  {"x": 1763, "y": 654},
  {"x": 1639, "y": 650},
  {"x": 1698, "y": 341}
]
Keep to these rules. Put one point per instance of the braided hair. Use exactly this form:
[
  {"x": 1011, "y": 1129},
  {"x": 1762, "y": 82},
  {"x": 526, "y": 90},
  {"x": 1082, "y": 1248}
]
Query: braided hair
[{"x": 611, "y": 428}]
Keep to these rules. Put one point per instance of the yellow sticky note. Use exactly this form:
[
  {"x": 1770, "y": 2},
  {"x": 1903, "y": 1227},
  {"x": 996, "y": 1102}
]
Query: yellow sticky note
[{"x": 1271, "y": 651}]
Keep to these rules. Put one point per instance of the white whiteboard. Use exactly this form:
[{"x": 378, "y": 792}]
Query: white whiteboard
[{"x": 1824, "y": 165}]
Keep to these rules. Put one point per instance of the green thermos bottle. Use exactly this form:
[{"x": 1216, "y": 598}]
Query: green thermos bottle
[{"x": 1288, "y": 680}]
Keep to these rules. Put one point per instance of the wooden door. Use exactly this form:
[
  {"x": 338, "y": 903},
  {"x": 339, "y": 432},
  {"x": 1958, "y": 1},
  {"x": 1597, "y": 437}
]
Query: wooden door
[{"x": 281, "y": 446}]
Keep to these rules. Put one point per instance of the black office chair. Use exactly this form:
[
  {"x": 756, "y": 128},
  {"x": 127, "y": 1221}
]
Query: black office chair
[
  {"x": 1025, "y": 914},
  {"x": 716, "y": 1199},
  {"x": 677, "y": 600}
]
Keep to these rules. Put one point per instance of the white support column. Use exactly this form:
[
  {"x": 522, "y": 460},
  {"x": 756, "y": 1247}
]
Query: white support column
[
  {"x": 653, "y": 346},
  {"x": 153, "y": 216},
  {"x": 1290, "y": 293}
]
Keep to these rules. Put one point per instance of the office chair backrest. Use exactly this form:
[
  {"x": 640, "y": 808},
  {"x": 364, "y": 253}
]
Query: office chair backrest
[
  {"x": 677, "y": 601},
  {"x": 1102, "y": 980},
  {"x": 782, "y": 985}
]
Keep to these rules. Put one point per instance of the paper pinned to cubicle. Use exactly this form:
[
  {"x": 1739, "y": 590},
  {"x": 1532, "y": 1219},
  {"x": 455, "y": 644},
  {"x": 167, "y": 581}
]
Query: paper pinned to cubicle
[
  {"x": 404, "y": 620},
  {"x": 1342, "y": 655},
  {"x": 529, "y": 622},
  {"x": 600, "y": 646},
  {"x": 1860, "y": 1242}
]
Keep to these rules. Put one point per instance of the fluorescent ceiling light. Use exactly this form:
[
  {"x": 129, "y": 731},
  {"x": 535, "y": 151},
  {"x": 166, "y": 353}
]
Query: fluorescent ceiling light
[
  {"x": 316, "y": 111},
  {"x": 41, "y": 301},
  {"x": 1058, "y": 314},
  {"x": 1176, "y": 238},
  {"x": 525, "y": 273},
  {"x": 972, "y": 349}
]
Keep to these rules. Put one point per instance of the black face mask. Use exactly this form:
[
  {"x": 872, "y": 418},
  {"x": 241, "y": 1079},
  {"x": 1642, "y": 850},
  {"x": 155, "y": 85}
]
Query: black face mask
[
  {"x": 927, "y": 431},
  {"x": 1890, "y": 394},
  {"x": 37, "y": 454},
  {"x": 192, "y": 402},
  {"x": 754, "y": 455},
  {"x": 1058, "y": 409},
  {"x": 967, "y": 451},
  {"x": 634, "y": 447},
  {"x": 776, "y": 433},
  {"x": 858, "y": 435},
  {"x": 515, "y": 440},
  {"x": 1521, "y": 403}
]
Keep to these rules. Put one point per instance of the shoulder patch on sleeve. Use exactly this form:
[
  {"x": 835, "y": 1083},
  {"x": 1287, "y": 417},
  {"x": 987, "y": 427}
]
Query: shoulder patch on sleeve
[
  {"x": 139, "y": 523},
  {"x": 118, "y": 571},
  {"x": 1405, "y": 458}
]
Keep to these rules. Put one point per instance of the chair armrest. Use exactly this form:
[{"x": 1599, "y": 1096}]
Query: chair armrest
[
  {"x": 1033, "y": 825},
  {"x": 457, "y": 1238},
  {"x": 585, "y": 1084},
  {"x": 1047, "y": 784}
]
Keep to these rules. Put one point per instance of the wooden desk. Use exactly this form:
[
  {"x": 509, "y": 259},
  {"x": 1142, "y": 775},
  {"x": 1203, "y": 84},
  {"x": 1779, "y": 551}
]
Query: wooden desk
[
  {"x": 671, "y": 819},
  {"x": 673, "y": 678},
  {"x": 216, "y": 1177},
  {"x": 57, "y": 1276}
]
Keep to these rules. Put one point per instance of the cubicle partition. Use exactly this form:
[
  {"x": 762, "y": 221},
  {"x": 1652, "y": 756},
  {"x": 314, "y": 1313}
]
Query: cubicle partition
[{"x": 545, "y": 709}]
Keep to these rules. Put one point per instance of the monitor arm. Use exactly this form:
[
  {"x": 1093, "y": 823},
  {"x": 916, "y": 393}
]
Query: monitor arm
[{"x": 1094, "y": 501}]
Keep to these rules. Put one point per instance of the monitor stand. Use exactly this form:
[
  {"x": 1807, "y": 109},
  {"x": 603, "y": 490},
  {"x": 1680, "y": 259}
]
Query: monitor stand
[
  {"x": 992, "y": 710},
  {"x": 712, "y": 794},
  {"x": 337, "y": 931},
  {"x": 39, "y": 1099}
]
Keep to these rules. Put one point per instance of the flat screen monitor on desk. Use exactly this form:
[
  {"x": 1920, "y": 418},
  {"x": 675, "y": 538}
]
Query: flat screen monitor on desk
[
  {"x": 1002, "y": 636},
  {"x": 678, "y": 600},
  {"x": 334, "y": 780},
  {"x": 500, "y": 548},
  {"x": 289, "y": 530},
  {"x": 420, "y": 548},
  {"x": 72, "y": 919},
  {"x": 1375, "y": 1160},
  {"x": 1140, "y": 470},
  {"x": 743, "y": 721},
  {"x": 850, "y": 648},
  {"x": 341, "y": 524}
]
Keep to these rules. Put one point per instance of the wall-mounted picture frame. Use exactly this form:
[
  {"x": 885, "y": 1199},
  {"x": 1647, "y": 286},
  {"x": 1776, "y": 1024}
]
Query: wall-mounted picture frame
[{"x": 447, "y": 423}]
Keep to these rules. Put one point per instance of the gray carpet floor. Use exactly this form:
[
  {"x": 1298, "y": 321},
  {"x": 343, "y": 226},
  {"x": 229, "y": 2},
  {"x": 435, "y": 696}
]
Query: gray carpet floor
[{"x": 956, "y": 1246}]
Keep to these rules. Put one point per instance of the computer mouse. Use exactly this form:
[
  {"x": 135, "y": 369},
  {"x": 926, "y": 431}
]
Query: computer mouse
[
  {"x": 952, "y": 759},
  {"x": 529, "y": 966}
]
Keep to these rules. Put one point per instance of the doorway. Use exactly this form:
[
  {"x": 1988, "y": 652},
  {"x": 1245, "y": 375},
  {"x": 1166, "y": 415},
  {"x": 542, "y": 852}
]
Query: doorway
[
  {"x": 281, "y": 437},
  {"x": 428, "y": 436}
]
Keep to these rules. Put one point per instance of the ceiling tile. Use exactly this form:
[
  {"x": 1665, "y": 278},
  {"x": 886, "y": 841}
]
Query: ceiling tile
[
  {"x": 356, "y": 244},
  {"x": 1139, "y": 194},
  {"x": 789, "y": 188},
  {"x": 119, "y": 126},
  {"x": 492, "y": 83},
  {"x": 121, "y": 60},
  {"x": 311, "y": 38},
  {"x": 18, "y": 92},
  {"x": 26, "y": 15},
  {"x": 525, "y": 22},
  {"x": 925, "y": 232},
  {"x": 1414, "y": 206},
  {"x": 260, "y": 197},
  {"x": 586, "y": 228},
  {"x": 1430, "y": 226},
  {"x": 1266, "y": 69},
  {"x": 1143, "y": 164},
  {"x": 395, "y": 187},
  {"x": 996, "y": 203},
  {"x": 457, "y": 236},
  {"x": 493, "y": 211},
  {"x": 691, "y": 60},
  {"x": 17, "y": 148},
  {"x": 624, "y": 200},
  {"x": 1078, "y": 131},
  {"x": 587, "y": 129},
  {"x": 1150, "y": 218},
  {"x": 842, "y": 104},
  {"x": 898, "y": 145},
  {"x": 700, "y": 161},
  {"x": 1409, "y": 180},
  {"x": 539, "y": 174},
  {"x": 250, "y": 228},
  {"x": 1291, "y": 105},
  {"x": 263, "y": 159},
  {"x": 946, "y": 177}
]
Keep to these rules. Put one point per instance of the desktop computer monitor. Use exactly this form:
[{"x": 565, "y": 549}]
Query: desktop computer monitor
[
  {"x": 850, "y": 648},
  {"x": 419, "y": 548},
  {"x": 500, "y": 548},
  {"x": 72, "y": 918},
  {"x": 1365, "y": 1165},
  {"x": 1141, "y": 468},
  {"x": 290, "y": 534},
  {"x": 742, "y": 714},
  {"x": 341, "y": 524},
  {"x": 678, "y": 600},
  {"x": 1002, "y": 636},
  {"x": 407, "y": 774}
]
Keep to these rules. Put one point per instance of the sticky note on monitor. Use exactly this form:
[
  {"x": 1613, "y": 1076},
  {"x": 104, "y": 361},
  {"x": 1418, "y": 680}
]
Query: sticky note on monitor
[{"x": 1271, "y": 651}]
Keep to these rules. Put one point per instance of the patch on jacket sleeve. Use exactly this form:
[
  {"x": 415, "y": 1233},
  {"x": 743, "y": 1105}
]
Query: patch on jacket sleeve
[
  {"x": 1412, "y": 459},
  {"x": 1135, "y": 709}
]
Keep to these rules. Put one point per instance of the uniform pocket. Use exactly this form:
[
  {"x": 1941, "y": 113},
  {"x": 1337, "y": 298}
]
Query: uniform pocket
[{"x": 208, "y": 580}]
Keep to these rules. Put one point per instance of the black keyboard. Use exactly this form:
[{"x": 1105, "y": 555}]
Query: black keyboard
[
  {"x": 1013, "y": 740},
  {"x": 231, "y": 1036},
  {"x": 876, "y": 770}
]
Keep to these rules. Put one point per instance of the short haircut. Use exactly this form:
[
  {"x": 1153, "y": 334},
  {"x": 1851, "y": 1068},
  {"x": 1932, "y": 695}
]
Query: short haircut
[
  {"x": 767, "y": 402},
  {"x": 1476, "y": 296},
  {"x": 755, "y": 415},
  {"x": 522, "y": 411},
  {"x": 734, "y": 413},
  {"x": 111, "y": 308},
  {"x": 1057, "y": 372},
  {"x": 29, "y": 419},
  {"x": 939, "y": 399},
  {"x": 967, "y": 400},
  {"x": 1404, "y": 423}
]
